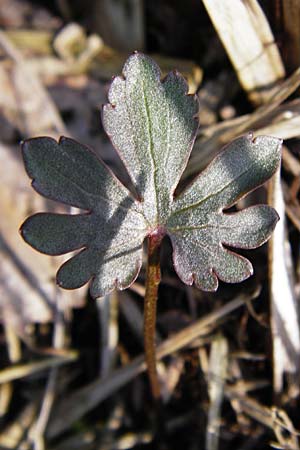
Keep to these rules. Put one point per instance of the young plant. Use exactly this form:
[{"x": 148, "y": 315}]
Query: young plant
[{"x": 152, "y": 124}]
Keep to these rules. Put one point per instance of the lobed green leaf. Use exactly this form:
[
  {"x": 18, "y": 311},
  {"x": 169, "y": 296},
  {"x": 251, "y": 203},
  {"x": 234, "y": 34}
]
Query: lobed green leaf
[{"x": 152, "y": 124}]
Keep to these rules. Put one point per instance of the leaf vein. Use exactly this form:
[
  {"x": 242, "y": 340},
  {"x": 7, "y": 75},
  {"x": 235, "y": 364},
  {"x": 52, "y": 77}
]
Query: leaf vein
[
  {"x": 195, "y": 205},
  {"x": 151, "y": 148},
  {"x": 97, "y": 196}
]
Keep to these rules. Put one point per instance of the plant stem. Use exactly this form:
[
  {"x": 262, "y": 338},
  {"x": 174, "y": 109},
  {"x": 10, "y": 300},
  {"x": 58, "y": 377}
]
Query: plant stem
[{"x": 152, "y": 282}]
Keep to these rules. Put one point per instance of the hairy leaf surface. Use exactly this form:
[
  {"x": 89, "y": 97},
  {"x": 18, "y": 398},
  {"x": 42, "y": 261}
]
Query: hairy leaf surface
[{"x": 152, "y": 124}]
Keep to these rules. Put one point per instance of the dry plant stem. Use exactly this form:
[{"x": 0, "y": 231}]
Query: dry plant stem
[{"x": 152, "y": 282}]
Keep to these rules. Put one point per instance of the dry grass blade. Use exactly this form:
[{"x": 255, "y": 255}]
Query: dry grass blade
[
  {"x": 188, "y": 334},
  {"x": 37, "y": 41},
  {"x": 274, "y": 418},
  {"x": 284, "y": 311},
  {"x": 270, "y": 119},
  {"x": 6, "y": 392},
  {"x": 33, "y": 115},
  {"x": 27, "y": 291},
  {"x": 249, "y": 42},
  {"x": 217, "y": 373},
  {"x": 14, "y": 353},
  {"x": 169, "y": 376},
  {"x": 13, "y": 343},
  {"x": 78, "y": 53},
  {"x": 286, "y": 128},
  {"x": 279, "y": 95},
  {"x": 37, "y": 430},
  {"x": 21, "y": 271},
  {"x": 290, "y": 163},
  {"x": 292, "y": 206},
  {"x": 88, "y": 441},
  {"x": 128, "y": 441},
  {"x": 108, "y": 318},
  {"x": 24, "y": 370},
  {"x": 82, "y": 401},
  {"x": 290, "y": 27},
  {"x": 13, "y": 433}
]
